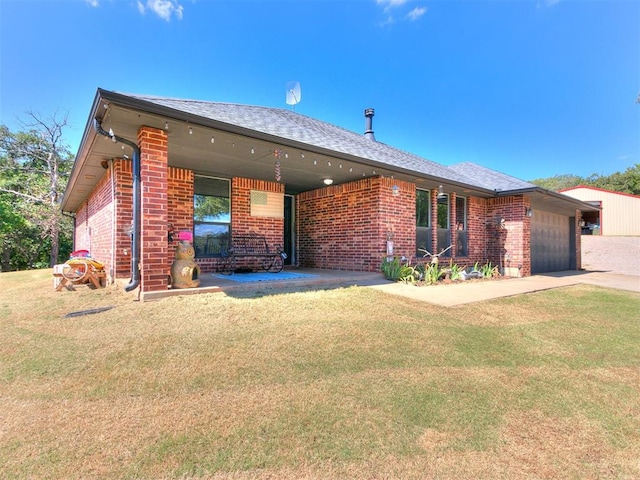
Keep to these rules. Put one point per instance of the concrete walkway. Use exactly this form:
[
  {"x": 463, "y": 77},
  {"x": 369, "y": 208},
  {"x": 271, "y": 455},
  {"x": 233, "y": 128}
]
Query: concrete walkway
[
  {"x": 444, "y": 295},
  {"x": 477, "y": 291}
]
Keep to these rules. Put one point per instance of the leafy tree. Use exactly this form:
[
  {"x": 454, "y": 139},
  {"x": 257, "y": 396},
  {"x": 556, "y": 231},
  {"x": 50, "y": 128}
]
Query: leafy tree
[
  {"x": 558, "y": 182},
  {"x": 34, "y": 167},
  {"x": 624, "y": 182}
]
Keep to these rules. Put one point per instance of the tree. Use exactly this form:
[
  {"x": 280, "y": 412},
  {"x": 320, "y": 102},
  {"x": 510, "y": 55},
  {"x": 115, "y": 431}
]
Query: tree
[
  {"x": 34, "y": 167},
  {"x": 559, "y": 182},
  {"x": 624, "y": 182}
]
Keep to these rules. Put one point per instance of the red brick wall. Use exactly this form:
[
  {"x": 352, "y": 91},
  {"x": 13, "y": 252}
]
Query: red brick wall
[
  {"x": 476, "y": 230},
  {"x": 241, "y": 220},
  {"x": 345, "y": 227},
  {"x": 124, "y": 216},
  {"x": 154, "y": 204},
  {"x": 179, "y": 205},
  {"x": 94, "y": 224},
  {"x": 509, "y": 242}
]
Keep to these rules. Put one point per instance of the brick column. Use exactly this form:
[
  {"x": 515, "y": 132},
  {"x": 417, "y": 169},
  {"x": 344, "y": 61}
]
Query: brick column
[
  {"x": 453, "y": 225},
  {"x": 154, "y": 247}
]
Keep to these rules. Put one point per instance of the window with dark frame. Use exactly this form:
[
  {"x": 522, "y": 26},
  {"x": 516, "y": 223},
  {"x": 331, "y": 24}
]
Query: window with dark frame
[
  {"x": 211, "y": 216},
  {"x": 461, "y": 227},
  {"x": 423, "y": 222},
  {"x": 444, "y": 231}
]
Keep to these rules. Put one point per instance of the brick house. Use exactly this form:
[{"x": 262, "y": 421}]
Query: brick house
[{"x": 333, "y": 198}]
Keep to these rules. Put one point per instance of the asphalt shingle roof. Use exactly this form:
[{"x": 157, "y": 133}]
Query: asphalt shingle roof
[
  {"x": 488, "y": 178},
  {"x": 293, "y": 126}
]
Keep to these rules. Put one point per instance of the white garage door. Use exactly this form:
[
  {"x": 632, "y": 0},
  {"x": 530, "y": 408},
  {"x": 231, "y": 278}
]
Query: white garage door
[{"x": 552, "y": 242}]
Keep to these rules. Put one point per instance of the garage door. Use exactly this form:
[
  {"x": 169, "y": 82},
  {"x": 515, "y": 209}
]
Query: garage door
[{"x": 552, "y": 243}]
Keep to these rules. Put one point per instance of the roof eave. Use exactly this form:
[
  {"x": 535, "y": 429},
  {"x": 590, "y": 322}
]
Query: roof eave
[
  {"x": 580, "y": 205},
  {"x": 87, "y": 139}
]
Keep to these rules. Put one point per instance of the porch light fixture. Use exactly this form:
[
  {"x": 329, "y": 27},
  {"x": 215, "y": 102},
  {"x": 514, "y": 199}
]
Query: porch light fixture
[
  {"x": 440, "y": 191},
  {"x": 166, "y": 125},
  {"x": 528, "y": 212},
  {"x": 190, "y": 131},
  {"x": 395, "y": 190},
  {"x": 213, "y": 140},
  {"x": 327, "y": 181}
]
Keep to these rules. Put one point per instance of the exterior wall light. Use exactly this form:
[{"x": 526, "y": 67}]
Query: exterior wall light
[
  {"x": 528, "y": 212},
  {"x": 395, "y": 190}
]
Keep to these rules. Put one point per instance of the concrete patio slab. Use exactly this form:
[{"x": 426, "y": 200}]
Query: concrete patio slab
[{"x": 443, "y": 295}]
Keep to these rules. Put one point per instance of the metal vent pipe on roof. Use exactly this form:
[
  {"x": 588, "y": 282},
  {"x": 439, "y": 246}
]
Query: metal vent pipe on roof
[{"x": 368, "y": 124}]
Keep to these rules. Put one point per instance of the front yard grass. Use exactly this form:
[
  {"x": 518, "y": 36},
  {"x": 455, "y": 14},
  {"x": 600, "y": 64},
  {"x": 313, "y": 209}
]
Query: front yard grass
[{"x": 336, "y": 383}]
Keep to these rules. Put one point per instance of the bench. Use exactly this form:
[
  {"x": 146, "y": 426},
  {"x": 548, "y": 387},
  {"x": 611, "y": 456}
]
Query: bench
[
  {"x": 253, "y": 245},
  {"x": 64, "y": 276}
]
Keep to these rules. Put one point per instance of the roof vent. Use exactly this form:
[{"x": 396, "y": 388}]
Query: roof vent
[{"x": 368, "y": 124}]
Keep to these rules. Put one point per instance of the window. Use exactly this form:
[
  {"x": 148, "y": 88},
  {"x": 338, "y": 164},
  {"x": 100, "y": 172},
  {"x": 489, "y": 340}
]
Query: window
[
  {"x": 211, "y": 216},
  {"x": 423, "y": 222},
  {"x": 461, "y": 226},
  {"x": 444, "y": 233}
]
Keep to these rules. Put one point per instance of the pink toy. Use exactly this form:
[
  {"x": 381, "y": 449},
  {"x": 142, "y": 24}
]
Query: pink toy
[{"x": 185, "y": 236}]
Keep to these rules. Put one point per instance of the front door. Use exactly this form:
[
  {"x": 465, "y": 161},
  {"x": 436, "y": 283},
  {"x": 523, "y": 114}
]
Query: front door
[{"x": 289, "y": 230}]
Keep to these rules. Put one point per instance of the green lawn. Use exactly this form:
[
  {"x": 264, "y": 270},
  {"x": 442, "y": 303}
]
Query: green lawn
[{"x": 344, "y": 383}]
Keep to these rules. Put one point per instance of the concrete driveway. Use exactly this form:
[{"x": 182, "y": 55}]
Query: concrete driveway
[
  {"x": 612, "y": 262},
  {"x": 476, "y": 291}
]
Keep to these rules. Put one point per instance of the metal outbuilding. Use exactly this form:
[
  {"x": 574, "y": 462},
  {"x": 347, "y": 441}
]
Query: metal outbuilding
[{"x": 619, "y": 214}]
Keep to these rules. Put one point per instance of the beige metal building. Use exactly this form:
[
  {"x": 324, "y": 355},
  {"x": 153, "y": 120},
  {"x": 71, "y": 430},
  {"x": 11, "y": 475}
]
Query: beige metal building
[{"x": 619, "y": 214}]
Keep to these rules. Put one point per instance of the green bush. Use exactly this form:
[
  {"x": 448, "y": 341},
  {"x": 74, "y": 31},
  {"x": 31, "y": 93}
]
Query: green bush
[{"x": 394, "y": 269}]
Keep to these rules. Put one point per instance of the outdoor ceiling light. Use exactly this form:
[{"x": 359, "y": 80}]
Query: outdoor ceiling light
[
  {"x": 327, "y": 181},
  {"x": 440, "y": 191}
]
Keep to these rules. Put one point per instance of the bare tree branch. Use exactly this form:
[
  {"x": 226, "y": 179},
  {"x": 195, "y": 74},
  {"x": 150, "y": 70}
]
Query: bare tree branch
[{"x": 23, "y": 195}]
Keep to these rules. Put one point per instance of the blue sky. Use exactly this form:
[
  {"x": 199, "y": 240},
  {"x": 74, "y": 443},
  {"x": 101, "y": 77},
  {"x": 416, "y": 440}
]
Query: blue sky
[{"x": 532, "y": 88}]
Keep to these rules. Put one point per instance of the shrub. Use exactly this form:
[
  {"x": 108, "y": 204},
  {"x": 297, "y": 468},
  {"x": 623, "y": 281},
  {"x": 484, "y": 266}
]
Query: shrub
[{"x": 395, "y": 269}]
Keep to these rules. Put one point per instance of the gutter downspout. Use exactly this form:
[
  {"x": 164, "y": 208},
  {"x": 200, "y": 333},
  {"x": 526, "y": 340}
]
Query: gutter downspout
[
  {"x": 114, "y": 216},
  {"x": 135, "y": 231}
]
